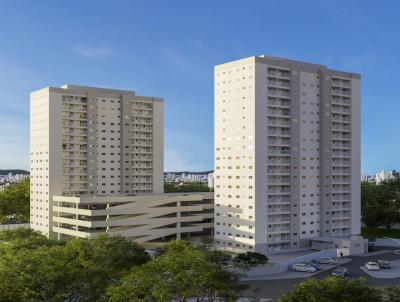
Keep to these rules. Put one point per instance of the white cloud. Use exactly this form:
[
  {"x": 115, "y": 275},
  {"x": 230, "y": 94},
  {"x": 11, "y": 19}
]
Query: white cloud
[{"x": 94, "y": 53}]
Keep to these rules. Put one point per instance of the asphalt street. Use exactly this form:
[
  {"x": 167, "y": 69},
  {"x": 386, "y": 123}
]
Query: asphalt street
[{"x": 276, "y": 288}]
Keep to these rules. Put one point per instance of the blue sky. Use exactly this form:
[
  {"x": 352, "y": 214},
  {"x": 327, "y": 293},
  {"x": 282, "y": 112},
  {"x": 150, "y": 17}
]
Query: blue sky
[{"x": 168, "y": 49}]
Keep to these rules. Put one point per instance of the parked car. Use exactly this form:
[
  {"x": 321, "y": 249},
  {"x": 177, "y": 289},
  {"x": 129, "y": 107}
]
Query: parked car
[
  {"x": 372, "y": 266},
  {"x": 302, "y": 267},
  {"x": 341, "y": 272},
  {"x": 384, "y": 263},
  {"x": 327, "y": 261},
  {"x": 315, "y": 265}
]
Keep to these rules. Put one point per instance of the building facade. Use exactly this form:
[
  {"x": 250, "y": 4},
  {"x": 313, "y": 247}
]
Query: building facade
[
  {"x": 87, "y": 141},
  {"x": 147, "y": 219},
  {"x": 386, "y": 176},
  {"x": 287, "y": 154}
]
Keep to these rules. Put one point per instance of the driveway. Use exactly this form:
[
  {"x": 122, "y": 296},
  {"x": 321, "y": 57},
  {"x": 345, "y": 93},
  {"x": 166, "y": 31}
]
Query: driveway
[{"x": 277, "y": 287}]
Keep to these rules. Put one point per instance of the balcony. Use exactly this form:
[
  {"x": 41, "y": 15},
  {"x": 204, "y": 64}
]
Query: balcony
[
  {"x": 340, "y": 110},
  {"x": 341, "y": 83},
  {"x": 281, "y": 113},
  {"x": 278, "y": 192},
  {"x": 274, "y": 102},
  {"x": 341, "y": 145},
  {"x": 277, "y": 162},
  {"x": 278, "y": 142},
  {"x": 277, "y": 230},
  {"x": 279, "y": 211},
  {"x": 74, "y": 108},
  {"x": 278, "y": 221},
  {"x": 340, "y": 118},
  {"x": 278, "y": 83},
  {"x": 340, "y": 91},
  {"x": 278, "y": 92},
  {"x": 74, "y": 116},
  {"x": 279, "y": 73},
  {"x": 274, "y": 200},
  {"x": 278, "y": 239},
  {"x": 279, "y": 171}
]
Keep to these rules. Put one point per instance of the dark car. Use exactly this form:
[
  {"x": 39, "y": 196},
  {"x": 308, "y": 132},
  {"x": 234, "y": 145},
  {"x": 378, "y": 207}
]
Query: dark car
[
  {"x": 384, "y": 263},
  {"x": 340, "y": 272},
  {"x": 316, "y": 265}
]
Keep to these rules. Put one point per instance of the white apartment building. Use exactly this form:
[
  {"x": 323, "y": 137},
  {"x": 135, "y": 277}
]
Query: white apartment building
[
  {"x": 386, "y": 176},
  {"x": 287, "y": 154},
  {"x": 87, "y": 141}
]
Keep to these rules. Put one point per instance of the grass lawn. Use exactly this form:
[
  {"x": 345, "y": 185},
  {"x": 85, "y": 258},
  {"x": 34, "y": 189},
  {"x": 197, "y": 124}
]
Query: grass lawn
[{"x": 380, "y": 232}]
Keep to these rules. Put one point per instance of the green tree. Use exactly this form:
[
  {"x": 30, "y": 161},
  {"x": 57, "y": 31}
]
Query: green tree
[
  {"x": 186, "y": 187},
  {"x": 34, "y": 268},
  {"x": 182, "y": 273},
  {"x": 370, "y": 204},
  {"x": 219, "y": 257},
  {"x": 22, "y": 233},
  {"x": 41, "y": 274},
  {"x": 14, "y": 203},
  {"x": 391, "y": 294},
  {"x": 390, "y": 209},
  {"x": 380, "y": 203},
  {"x": 250, "y": 259},
  {"x": 332, "y": 289}
]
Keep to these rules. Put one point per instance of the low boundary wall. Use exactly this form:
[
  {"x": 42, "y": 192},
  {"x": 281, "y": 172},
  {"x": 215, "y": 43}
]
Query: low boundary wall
[{"x": 14, "y": 226}]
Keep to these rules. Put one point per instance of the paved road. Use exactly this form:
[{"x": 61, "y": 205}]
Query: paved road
[{"x": 276, "y": 288}]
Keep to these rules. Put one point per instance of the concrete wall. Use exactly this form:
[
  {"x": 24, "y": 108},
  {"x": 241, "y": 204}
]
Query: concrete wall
[
  {"x": 10, "y": 227},
  {"x": 390, "y": 242}
]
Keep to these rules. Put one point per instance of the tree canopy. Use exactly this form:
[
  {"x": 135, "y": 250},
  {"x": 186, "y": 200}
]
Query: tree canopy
[
  {"x": 332, "y": 289},
  {"x": 250, "y": 259},
  {"x": 186, "y": 187},
  {"x": 183, "y": 272},
  {"x": 34, "y": 268},
  {"x": 14, "y": 203},
  {"x": 380, "y": 203}
]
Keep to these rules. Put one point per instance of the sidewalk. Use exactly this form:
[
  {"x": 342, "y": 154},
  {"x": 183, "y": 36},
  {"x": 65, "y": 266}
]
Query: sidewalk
[{"x": 374, "y": 253}]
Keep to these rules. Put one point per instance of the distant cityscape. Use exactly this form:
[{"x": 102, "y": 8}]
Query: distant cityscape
[
  {"x": 8, "y": 177},
  {"x": 381, "y": 176},
  {"x": 185, "y": 176},
  {"x": 12, "y": 176}
]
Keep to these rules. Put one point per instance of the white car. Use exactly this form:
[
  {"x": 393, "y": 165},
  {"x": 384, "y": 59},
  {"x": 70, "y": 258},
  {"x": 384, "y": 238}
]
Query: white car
[
  {"x": 372, "y": 266},
  {"x": 302, "y": 267},
  {"x": 327, "y": 261}
]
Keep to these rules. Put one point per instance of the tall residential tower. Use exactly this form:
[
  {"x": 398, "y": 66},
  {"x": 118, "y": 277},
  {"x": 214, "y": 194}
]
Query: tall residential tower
[
  {"x": 287, "y": 154},
  {"x": 87, "y": 141}
]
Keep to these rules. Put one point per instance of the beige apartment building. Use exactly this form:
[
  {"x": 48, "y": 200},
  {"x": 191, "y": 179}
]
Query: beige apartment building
[
  {"x": 287, "y": 154},
  {"x": 87, "y": 141}
]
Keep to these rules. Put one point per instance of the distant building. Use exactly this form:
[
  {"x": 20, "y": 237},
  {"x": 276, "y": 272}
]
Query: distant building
[
  {"x": 368, "y": 178},
  {"x": 386, "y": 175},
  {"x": 210, "y": 180},
  {"x": 183, "y": 177}
]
